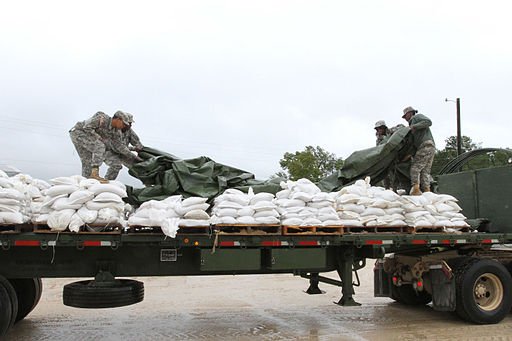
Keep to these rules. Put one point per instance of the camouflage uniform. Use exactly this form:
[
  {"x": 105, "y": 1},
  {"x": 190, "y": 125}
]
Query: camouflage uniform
[
  {"x": 93, "y": 137},
  {"x": 425, "y": 147},
  {"x": 115, "y": 161}
]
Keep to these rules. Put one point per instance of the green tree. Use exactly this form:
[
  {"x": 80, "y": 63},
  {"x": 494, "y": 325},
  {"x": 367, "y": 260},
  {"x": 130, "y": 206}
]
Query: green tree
[
  {"x": 313, "y": 163},
  {"x": 449, "y": 152}
]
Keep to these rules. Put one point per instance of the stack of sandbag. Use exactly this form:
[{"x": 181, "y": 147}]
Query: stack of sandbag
[
  {"x": 361, "y": 204},
  {"x": 75, "y": 201},
  {"x": 236, "y": 207},
  {"x": 159, "y": 213},
  {"x": 433, "y": 210},
  {"x": 34, "y": 197},
  {"x": 14, "y": 201},
  {"x": 301, "y": 203},
  {"x": 192, "y": 212}
]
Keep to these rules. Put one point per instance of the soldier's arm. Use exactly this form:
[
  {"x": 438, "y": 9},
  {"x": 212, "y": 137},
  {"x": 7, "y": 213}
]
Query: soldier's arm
[
  {"x": 119, "y": 147},
  {"x": 134, "y": 140},
  {"x": 423, "y": 122}
]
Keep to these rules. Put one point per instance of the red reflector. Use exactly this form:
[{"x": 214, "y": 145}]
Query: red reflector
[
  {"x": 395, "y": 280},
  {"x": 92, "y": 243},
  {"x": 487, "y": 241},
  {"x": 27, "y": 243},
  {"x": 308, "y": 243},
  {"x": 227, "y": 243},
  {"x": 271, "y": 243},
  {"x": 419, "y": 284},
  {"x": 446, "y": 241},
  {"x": 374, "y": 242},
  {"x": 419, "y": 241}
]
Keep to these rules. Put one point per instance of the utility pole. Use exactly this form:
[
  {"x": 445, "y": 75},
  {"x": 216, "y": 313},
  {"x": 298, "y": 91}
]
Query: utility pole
[{"x": 459, "y": 136}]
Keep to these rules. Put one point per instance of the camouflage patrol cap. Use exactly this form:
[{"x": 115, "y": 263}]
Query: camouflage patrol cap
[
  {"x": 409, "y": 109},
  {"x": 123, "y": 117},
  {"x": 380, "y": 123},
  {"x": 130, "y": 117}
]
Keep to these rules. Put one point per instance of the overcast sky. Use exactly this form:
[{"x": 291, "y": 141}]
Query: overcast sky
[{"x": 243, "y": 82}]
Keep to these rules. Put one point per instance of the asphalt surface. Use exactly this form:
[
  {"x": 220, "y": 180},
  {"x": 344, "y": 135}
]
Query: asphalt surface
[{"x": 269, "y": 307}]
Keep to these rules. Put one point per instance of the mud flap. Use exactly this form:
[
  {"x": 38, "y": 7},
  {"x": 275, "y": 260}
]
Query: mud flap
[
  {"x": 381, "y": 280},
  {"x": 443, "y": 288}
]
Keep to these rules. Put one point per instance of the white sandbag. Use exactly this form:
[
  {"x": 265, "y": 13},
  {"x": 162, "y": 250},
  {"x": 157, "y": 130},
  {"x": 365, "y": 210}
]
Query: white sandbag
[
  {"x": 172, "y": 200},
  {"x": 107, "y": 216},
  {"x": 106, "y": 197},
  {"x": 226, "y": 212},
  {"x": 348, "y": 215},
  {"x": 88, "y": 216},
  {"x": 323, "y": 196},
  {"x": 289, "y": 203},
  {"x": 292, "y": 222},
  {"x": 413, "y": 208},
  {"x": 96, "y": 206},
  {"x": 352, "y": 207},
  {"x": 11, "y": 218},
  {"x": 311, "y": 222},
  {"x": 246, "y": 211},
  {"x": 86, "y": 183},
  {"x": 40, "y": 219},
  {"x": 170, "y": 213},
  {"x": 66, "y": 180},
  {"x": 6, "y": 183},
  {"x": 118, "y": 184},
  {"x": 443, "y": 223},
  {"x": 261, "y": 197},
  {"x": 63, "y": 204},
  {"x": 11, "y": 193},
  {"x": 442, "y": 207},
  {"x": 245, "y": 220},
  {"x": 101, "y": 188},
  {"x": 373, "y": 211},
  {"x": 182, "y": 210},
  {"x": 386, "y": 195},
  {"x": 59, "y": 220},
  {"x": 395, "y": 210},
  {"x": 379, "y": 203},
  {"x": 170, "y": 227},
  {"x": 154, "y": 204},
  {"x": 3, "y": 174},
  {"x": 324, "y": 217},
  {"x": 460, "y": 223},
  {"x": 320, "y": 204},
  {"x": 156, "y": 216},
  {"x": 80, "y": 197},
  {"x": 197, "y": 214},
  {"x": 61, "y": 189},
  {"x": 284, "y": 194},
  {"x": 454, "y": 205},
  {"x": 368, "y": 218},
  {"x": 350, "y": 222},
  {"x": 193, "y": 223},
  {"x": 348, "y": 199},
  {"x": 140, "y": 221},
  {"x": 290, "y": 215},
  {"x": 266, "y": 213},
  {"x": 267, "y": 220},
  {"x": 326, "y": 210},
  {"x": 228, "y": 220},
  {"x": 263, "y": 206},
  {"x": 48, "y": 202},
  {"x": 445, "y": 198},
  {"x": 234, "y": 191},
  {"x": 192, "y": 201},
  {"x": 75, "y": 223},
  {"x": 417, "y": 200},
  {"x": 9, "y": 202},
  {"x": 415, "y": 215},
  {"x": 242, "y": 199},
  {"x": 332, "y": 223},
  {"x": 228, "y": 204},
  {"x": 302, "y": 196}
]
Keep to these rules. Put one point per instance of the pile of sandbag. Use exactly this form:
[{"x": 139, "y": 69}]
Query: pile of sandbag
[
  {"x": 171, "y": 213},
  {"x": 301, "y": 203},
  {"x": 364, "y": 205},
  {"x": 236, "y": 207},
  {"x": 72, "y": 202},
  {"x": 14, "y": 200}
]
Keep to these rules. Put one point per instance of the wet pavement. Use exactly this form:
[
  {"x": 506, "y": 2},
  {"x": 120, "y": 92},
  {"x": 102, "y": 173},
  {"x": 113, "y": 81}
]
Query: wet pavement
[{"x": 269, "y": 307}]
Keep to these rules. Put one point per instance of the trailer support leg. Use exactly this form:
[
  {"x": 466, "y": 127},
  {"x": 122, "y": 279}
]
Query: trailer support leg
[
  {"x": 345, "y": 260},
  {"x": 313, "y": 285}
]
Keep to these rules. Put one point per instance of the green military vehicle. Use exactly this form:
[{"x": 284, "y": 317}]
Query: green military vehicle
[{"x": 468, "y": 272}]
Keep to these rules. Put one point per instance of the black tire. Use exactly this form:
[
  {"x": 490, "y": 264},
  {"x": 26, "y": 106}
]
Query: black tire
[
  {"x": 406, "y": 294},
  {"x": 483, "y": 290},
  {"x": 6, "y": 310},
  {"x": 13, "y": 297},
  {"x": 92, "y": 294},
  {"x": 29, "y": 292}
]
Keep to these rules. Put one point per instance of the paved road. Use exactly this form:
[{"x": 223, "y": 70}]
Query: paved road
[{"x": 271, "y": 307}]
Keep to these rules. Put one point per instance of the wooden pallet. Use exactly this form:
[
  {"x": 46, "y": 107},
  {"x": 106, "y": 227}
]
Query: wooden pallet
[
  {"x": 111, "y": 229},
  {"x": 247, "y": 229},
  {"x": 295, "y": 230}
]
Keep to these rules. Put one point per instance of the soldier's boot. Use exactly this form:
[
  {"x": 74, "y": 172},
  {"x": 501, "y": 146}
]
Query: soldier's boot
[
  {"x": 415, "y": 190},
  {"x": 95, "y": 174},
  {"x": 426, "y": 189}
]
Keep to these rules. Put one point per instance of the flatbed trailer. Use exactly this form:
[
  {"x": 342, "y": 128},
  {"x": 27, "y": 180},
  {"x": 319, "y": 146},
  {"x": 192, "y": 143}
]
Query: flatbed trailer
[{"x": 411, "y": 268}]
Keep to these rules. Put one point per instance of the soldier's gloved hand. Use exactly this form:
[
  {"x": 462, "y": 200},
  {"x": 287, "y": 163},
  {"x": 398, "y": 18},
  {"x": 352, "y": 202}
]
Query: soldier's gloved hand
[{"x": 138, "y": 148}]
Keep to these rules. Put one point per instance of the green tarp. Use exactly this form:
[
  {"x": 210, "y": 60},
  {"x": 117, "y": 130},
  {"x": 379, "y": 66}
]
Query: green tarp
[
  {"x": 164, "y": 175},
  {"x": 375, "y": 162}
]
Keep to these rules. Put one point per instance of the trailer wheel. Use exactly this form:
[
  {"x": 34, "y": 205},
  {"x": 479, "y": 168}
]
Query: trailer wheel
[
  {"x": 8, "y": 309},
  {"x": 483, "y": 290},
  {"x": 29, "y": 292},
  {"x": 93, "y": 294},
  {"x": 406, "y": 294}
]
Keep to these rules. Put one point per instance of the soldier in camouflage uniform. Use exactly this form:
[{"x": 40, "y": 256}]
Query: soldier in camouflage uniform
[
  {"x": 93, "y": 137},
  {"x": 424, "y": 150},
  {"x": 116, "y": 160},
  {"x": 382, "y": 132}
]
